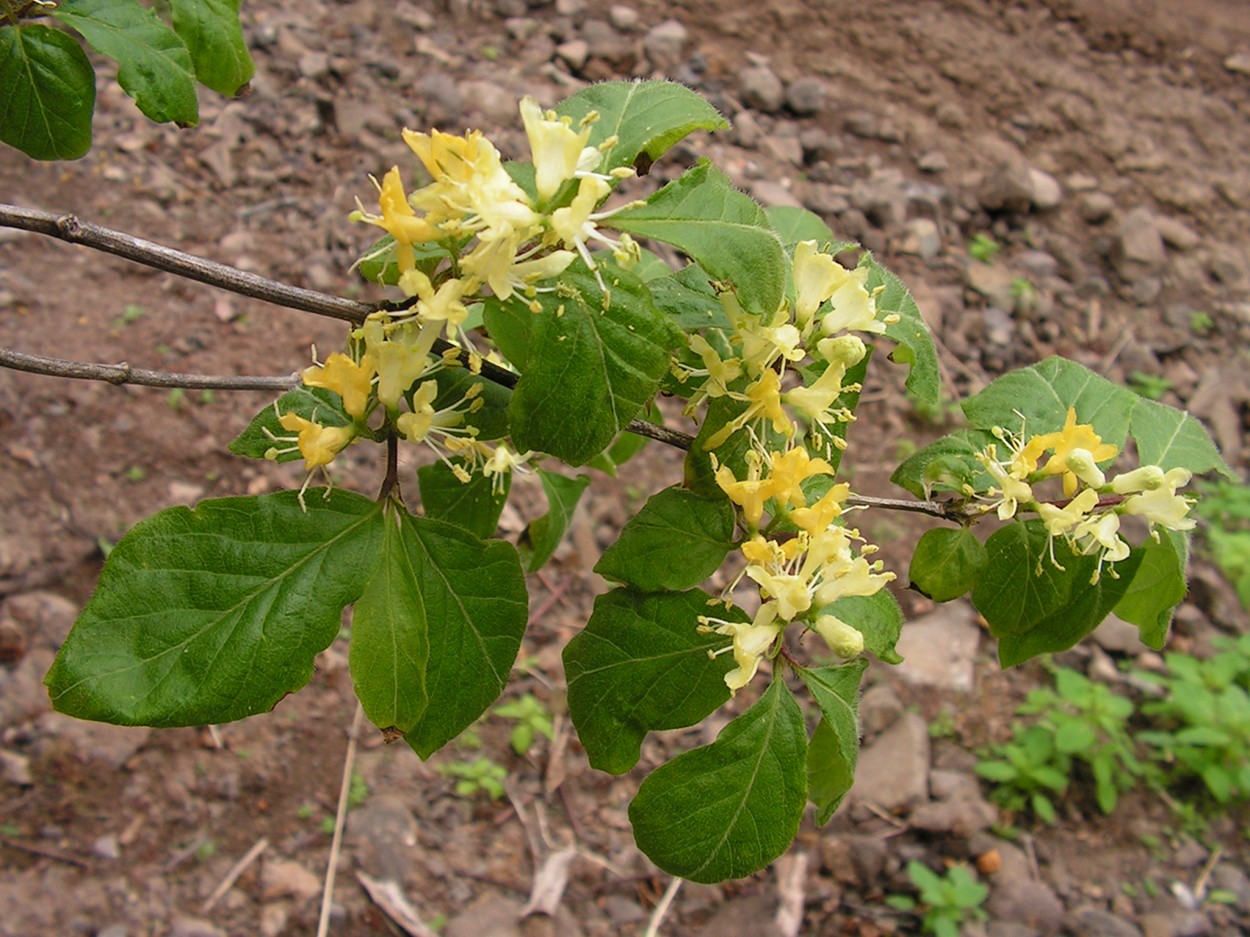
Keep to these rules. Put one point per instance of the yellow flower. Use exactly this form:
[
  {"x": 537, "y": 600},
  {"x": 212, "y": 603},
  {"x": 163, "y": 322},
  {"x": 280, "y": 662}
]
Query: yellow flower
[
  {"x": 494, "y": 261},
  {"x": 1162, "y": 505},
  {"x": 400, "y": 358},
  {"x": 350, "y": 380},
  {"x": 751, "y": 641},
  {"x": 814, "y": 401},
  {"x": 854, "y": 307},
  {"x": 750, "y": 493},
  {"x": 555, "y": 146},
  {"x": 424, "y": 419},
  {"x": 1060, "y": 520},
  {"x": 317, "y": 444},
  {"x": 819, "y": 516},
  {"x": 816, "y": 277},
  {"x": 788, "y": 470},
  {"x": 842, "y": 639},
  {"x": 1061, "y": 444},
  {"x": 398, "y": 218},
  {"x": 763, "y": 397},
  {"x": 1014, "y": 490}
]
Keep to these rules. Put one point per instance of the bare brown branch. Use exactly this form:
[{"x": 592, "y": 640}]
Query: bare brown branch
[{"x": 124, "y": 374}]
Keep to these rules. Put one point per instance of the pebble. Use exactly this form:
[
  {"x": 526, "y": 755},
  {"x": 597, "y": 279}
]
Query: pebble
[
  {"x": 961, "y": 816},
  {"x": 194, "y": 927},
  {"x": 281, "y": 878},
  {"x": 933, "y": 162},
  {"x": 1095, "y": 207},
  {"x": 665, "y": 45},
  {"x": 761, "y": 89},
  {"x": 939, "y": 648},
  {"x": 1094, "y": 922},
  {"x": 383, "y": 832},
  {"x": 625, "y": 18},
  {"x": 770, "y": 193},
  {"x": 1008, "y": 187},
  {"x": 893, "y": 772},
  {"x": 1028, "y": 902},
  {"x": 921, "y": 238},
  {"x": 993, "y": 281},
  {"x": 574, "y": 53},
  {"x": 107, "y": 847},
  {"x": 806, "y": 96},
  {"x": 1045, "y": 192},
  {"x": 1178, "y": 923},
  {"x": 1118, "y": 636},
  {"x": 879, "y": 707},
  {"x": 1238, "y": 63},
  {"x": 15, "y": 769},
  {"x": 1138, "y": 246},
  {"x": 1177, "y": 234}
]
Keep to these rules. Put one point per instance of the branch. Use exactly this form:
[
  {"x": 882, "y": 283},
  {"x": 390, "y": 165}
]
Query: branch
[
  {"x": 948, "y": 510},
  {"x": 124, "y": 374},
  {"x": 69, "y": 228}
]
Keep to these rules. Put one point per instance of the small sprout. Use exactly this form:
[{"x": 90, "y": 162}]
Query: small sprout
[
  {"x": 481, "y": 775},
  {"x": 131, "y": 313},
  {"x": 205, "y": 851},
  {"x": 1150, "y": 386},
  {"x": 532, "y": 720},
  {"x": 984, "y": 248},
  {"x": 176, "y": 398},
  {"x": 357, "y": 790},
  {"x": 1200, "y": 323},
  {"x": 135, "y": 474}
]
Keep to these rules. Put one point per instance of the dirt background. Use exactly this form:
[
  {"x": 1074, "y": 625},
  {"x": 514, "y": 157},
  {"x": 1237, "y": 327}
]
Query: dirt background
[{"x": 1103, "y": 144}]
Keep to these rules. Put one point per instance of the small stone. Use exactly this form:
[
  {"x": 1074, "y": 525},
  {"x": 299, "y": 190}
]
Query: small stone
[
  {"x": 110, "y": 745},
  {"x": 747, "y": 132},
  {"x": 1177, "y": 234},
  {"x": 314, "y": 65},
  {"x": 1238, "y": 63},
  {"x": 274, "y": 918},
  {"x": 934, "y": 161},
  {"x": 665, "y": 45},
  {"x": 1045, "y": 191},
  {"x": 570, "y": 8},
  {"x": 1094, "y": 922},
  {"x": 745, "y": 916},
  {"x": 1178, "y": 923},
  {"x": 1138, "y": 247},
  {"x": 574, "y": 53},
  {"x": 506, "y": 8},
  {"x": 1095, "y": 207},
  {"x": 761, "y": 89},
  {"x": 769, "y": 194},
  {"x": 1008, "y": 187},
  {"x": 15, "y": 769},
  {"x": 281, "y": 878},
  {"x": 194, "y": 927},
  {"x": 1029, "y": 902},
  {"x": 107, "y": 847},
  {"x": 1231, "y": 878},
  {"x": 113, "y": 930},
  {"x": 893, "y": 771},
  {"x": 1118, "y": 636},
  {"x": 383, "y": 832},
  {"x": 961, "y": 817},
  {"x": 625, "y": 18},
  {"x": 939, "y": 648},
  {"x": 879, "y": 707},
  {"x": 491, "y": 913},
  {"x": 806, "y": 96},
  {"x": 921, "y": 238}
]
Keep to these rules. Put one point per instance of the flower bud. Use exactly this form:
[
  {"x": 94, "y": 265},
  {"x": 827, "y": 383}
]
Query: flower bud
[{"x": 842, "y": 639}]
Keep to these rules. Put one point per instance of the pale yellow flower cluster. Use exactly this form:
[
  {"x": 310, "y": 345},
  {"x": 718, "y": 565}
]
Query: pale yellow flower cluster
[
  {"x": 829, "y": 303},
  {"x": 493, "y": 235},
  {"x": 801, "y": 573},
  {"x": 1088, "y": 518}
]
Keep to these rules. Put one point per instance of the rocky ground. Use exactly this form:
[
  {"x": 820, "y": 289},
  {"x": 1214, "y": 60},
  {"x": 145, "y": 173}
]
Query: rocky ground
[{"x": 1101, "y": 144}]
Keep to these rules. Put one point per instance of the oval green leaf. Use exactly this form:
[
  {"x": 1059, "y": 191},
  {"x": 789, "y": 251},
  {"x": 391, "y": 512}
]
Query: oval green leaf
[
  {"x": 213, "y": 614},
  {"x": 214, "y": 37},
  {"x": 730, "y": 808},
  {"x": 640, "y": 665},
  {"x": 946, "y": 562},
  {"x": 49, "y": 93}
]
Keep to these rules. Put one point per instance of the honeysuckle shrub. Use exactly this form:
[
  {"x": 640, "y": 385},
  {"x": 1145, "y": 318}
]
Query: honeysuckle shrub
[{"x": 532, "y": 330}]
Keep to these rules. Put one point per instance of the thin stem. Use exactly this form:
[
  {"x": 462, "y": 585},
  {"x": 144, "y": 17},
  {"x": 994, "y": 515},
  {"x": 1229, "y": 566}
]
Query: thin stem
[
  {"x": 391, "y": 481},
  {"x": 661, "y": 909},
  {"x": 75, "y": 231},
  {"x": 340, "y": 815},
  {"x": 69, "y": 228},
  {"x": 124, "y": 374}
]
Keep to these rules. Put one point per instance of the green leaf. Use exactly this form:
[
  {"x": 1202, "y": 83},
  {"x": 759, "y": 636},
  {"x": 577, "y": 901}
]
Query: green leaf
[
  {"x": 641, "y": 665},
  {"x": 1157, "y": 588},
  {"x": 910, "y": 331},
  {"x": 1035, "y": 607},
  {"x": 470, "y": 596},
  {"x": 688, "y": 298},
  {"x": 626, "y": 446},
  {"x": 510, "y": 325},
  {"x": 834, "y": 747},
  {"x": 728, "y": 809},
  {"x": 724, "y": 230},
  {"x": 877, "y": 617},
  {"x": 154, "y": 66},
  {"x": 214, "y": 37},
  {"x": 540, "y": 539},
  {"x": 1044, "y": 392},
  {"x": 390, "y": 647},
  {"x": 1171, "y": 438},
  {"x": 676, "y": 541},
  {"x": 645, "y": 117},
  {"x": 312, "y": 403},
  {"x": 49, "y": 92},
  {"x": 594, "y": 360},
  {"x": 946, "y": 562},
  {"x": 214, "y": 614},
  {"x": 474, "y": 505},
  {"x": 946, "y": 464},
  {"x": 798, "y": 224}
]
